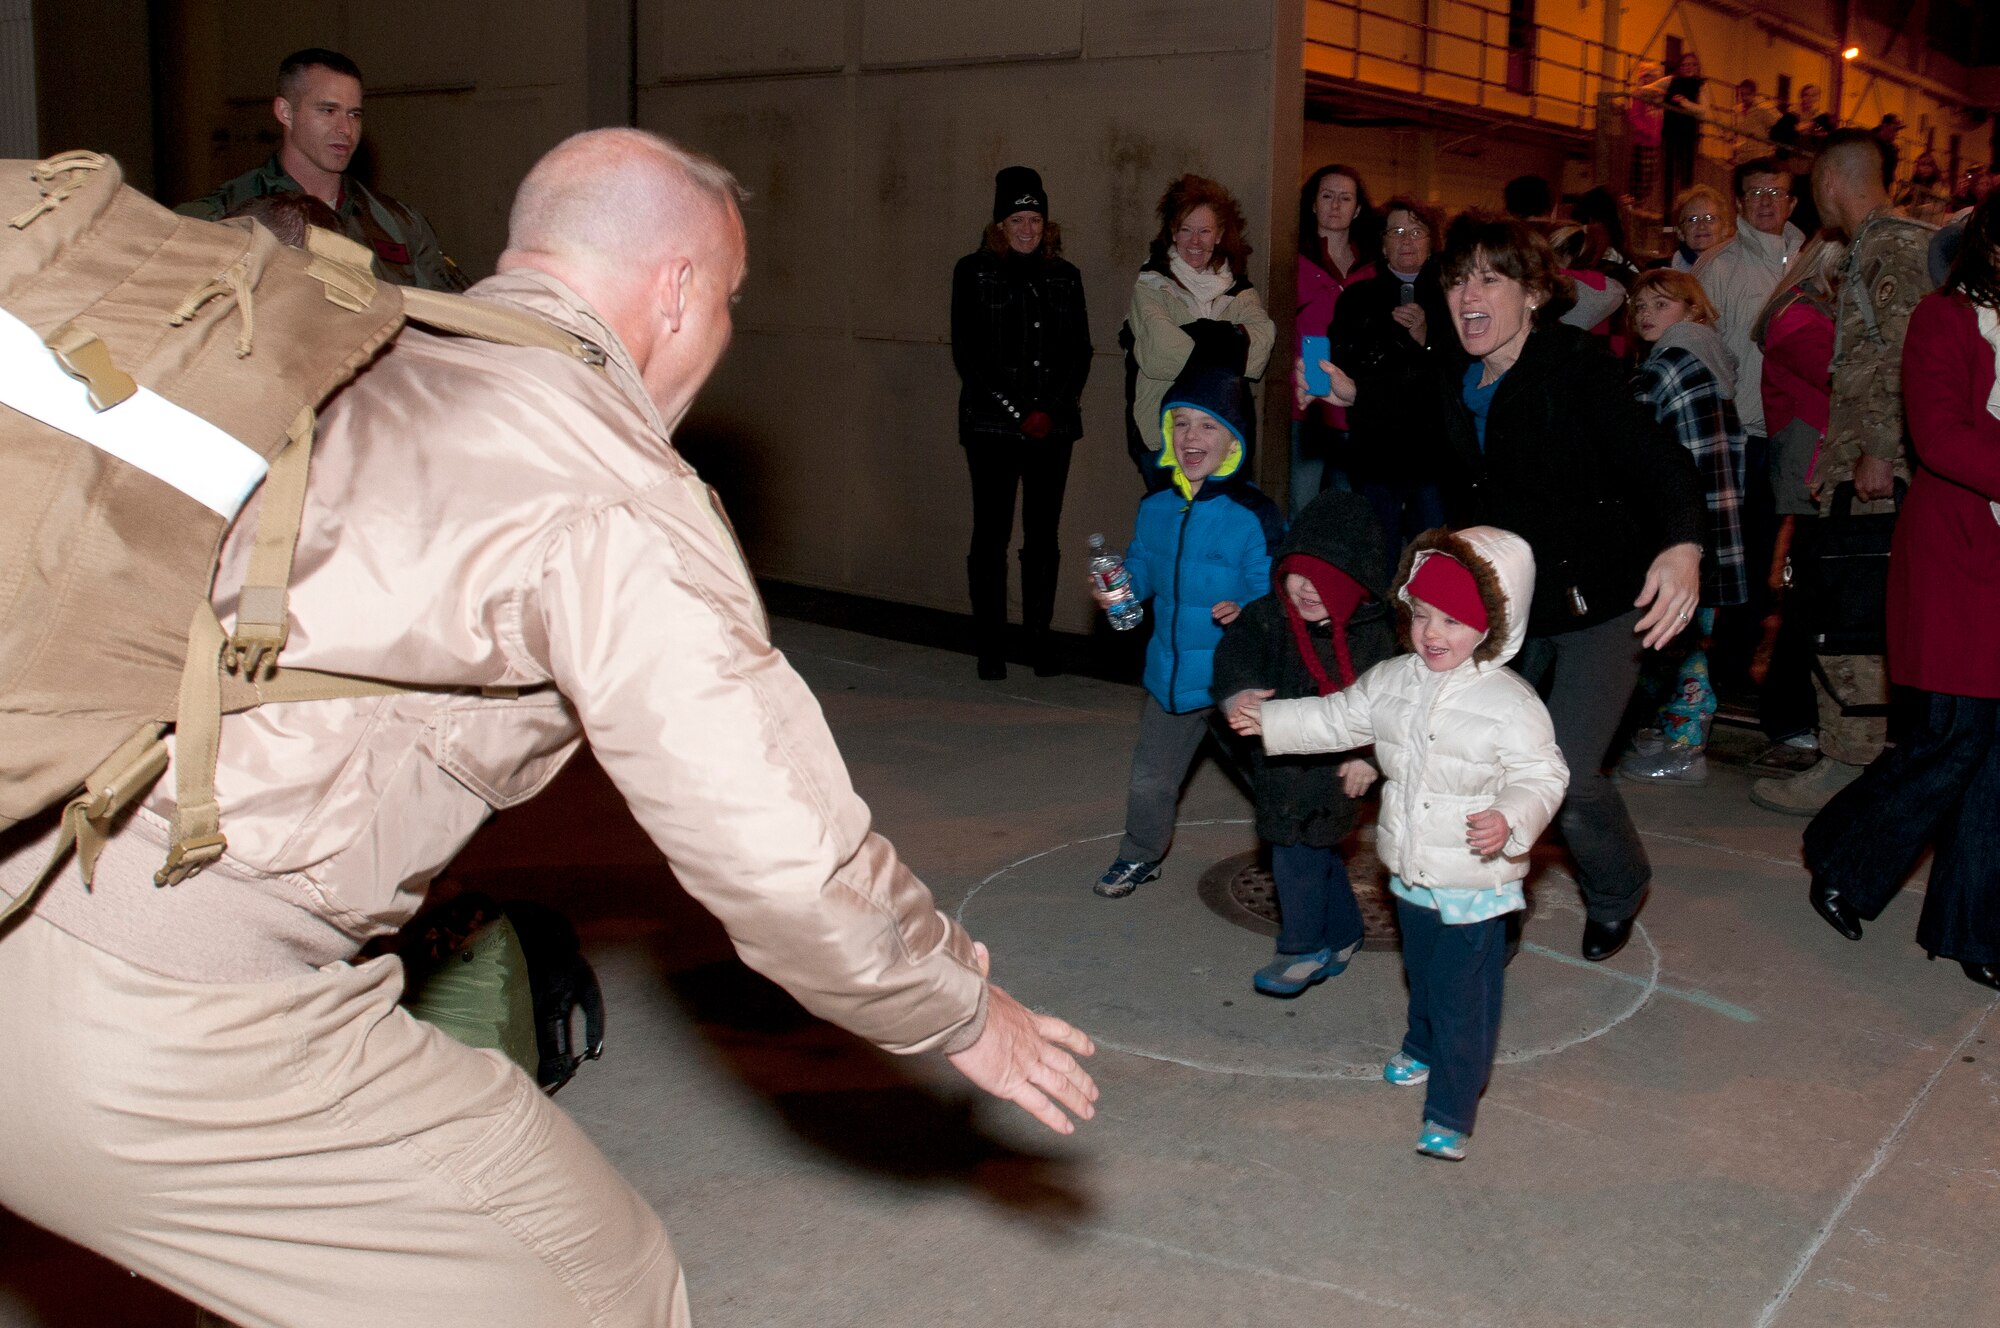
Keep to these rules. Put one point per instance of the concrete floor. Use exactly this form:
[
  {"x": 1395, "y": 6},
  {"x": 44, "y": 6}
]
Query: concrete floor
[{"x": 1742, "y": 1120}]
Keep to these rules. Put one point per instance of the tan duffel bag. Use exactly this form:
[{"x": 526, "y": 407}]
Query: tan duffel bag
[{"x": 155, "y": 371}]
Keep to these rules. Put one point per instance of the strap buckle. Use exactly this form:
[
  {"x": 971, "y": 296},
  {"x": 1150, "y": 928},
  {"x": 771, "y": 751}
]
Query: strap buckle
[{"x": 189, "y": 856}]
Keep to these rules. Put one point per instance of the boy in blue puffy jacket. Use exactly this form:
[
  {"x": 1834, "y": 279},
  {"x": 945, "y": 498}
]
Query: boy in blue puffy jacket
[{"x": 1201, "y": 549}]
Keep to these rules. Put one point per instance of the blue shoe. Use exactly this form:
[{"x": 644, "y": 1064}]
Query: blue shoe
[
  {"x": 1437, "y": 1141},
  {"x": 1124, "y": 876},
  {"x": 1288, "y": 975},
  {"x": 1405, "y": 1070}
]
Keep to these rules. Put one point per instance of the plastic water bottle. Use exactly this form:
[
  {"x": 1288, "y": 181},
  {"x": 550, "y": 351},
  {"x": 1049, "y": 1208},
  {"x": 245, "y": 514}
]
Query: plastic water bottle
[{"x": 1109, "y": 577}]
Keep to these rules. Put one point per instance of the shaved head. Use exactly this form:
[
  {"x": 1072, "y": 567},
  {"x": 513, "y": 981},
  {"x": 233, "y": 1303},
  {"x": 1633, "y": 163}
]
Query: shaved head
[
  {"x": 650, "y": 236},
  {"x": 1848, "y": 180},
  {"x": 619, "y": 197}
]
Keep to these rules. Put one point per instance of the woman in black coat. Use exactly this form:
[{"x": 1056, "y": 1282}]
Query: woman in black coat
[
  {"x": 1020, "y": 339},
  {"x": 1542, "y": 436},
  {"x": 1383, "y": 330}
]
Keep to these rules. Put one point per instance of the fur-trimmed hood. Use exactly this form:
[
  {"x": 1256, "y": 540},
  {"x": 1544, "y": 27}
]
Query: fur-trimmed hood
[{"x": 1502, "y": 566}]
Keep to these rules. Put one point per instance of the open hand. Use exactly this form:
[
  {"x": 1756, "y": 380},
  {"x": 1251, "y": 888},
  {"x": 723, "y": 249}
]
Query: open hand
[
  {"x": 1029, "y": 1059},
  {"x": 1673, "y": 588},
  {"x": 1487, "y": 832},
  {"x": 1245, "y": 710}
]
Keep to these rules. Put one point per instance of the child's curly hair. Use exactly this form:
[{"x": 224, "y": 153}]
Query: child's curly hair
[{"x": 1184, "y": 196}]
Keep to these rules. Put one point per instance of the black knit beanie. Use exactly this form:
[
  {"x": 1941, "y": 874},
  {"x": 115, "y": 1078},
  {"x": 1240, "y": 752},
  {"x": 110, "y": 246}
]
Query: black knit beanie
[{"x": 1018, "y": 189}]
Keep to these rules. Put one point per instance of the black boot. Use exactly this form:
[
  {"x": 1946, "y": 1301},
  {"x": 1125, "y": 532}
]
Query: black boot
[
  {"x": 1038, "y": 605},
  {"x": 986, "y": 580},
  {"x": 1839, "y": 914}
]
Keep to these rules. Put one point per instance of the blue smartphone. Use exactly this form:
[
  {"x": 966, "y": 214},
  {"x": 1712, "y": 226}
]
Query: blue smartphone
[{"x": 1312, "y": 350}]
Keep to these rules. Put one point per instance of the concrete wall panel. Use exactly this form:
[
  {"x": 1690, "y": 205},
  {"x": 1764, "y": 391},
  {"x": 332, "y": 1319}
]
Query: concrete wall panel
[
  {"x": 1171, "y": 27},
  {"x": 771, "y": 433},
  {"x": 421, "y": 159},
  {"x": 790, "y": 144},
  {"x": 924, "y": 175},
  {"x": 906, "y": 32},
  {"x": 679, "y": 40}
]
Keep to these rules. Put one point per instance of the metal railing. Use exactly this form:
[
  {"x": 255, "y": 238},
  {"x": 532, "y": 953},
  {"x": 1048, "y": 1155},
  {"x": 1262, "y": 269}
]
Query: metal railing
[{"x": 1467, "y": 53}]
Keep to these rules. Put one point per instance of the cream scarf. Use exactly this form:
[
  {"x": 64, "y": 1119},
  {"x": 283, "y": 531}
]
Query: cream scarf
[{"x": 1209, "y": 289}]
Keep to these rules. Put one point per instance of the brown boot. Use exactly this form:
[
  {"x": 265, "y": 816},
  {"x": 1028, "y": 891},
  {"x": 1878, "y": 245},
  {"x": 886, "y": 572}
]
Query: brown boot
[{"x": 1805, "y": 793}]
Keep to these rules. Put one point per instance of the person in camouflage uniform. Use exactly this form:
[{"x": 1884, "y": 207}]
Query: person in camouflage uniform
[
  {"x": 1886, "y": 273},
  {"x": 318, "y": 108}
]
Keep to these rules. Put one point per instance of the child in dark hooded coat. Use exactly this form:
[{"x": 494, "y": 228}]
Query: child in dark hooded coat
[{"x": 1325, "y": 622}]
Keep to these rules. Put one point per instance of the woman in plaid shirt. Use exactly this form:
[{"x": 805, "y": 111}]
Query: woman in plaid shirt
[{"x": 1689, "y": 380}]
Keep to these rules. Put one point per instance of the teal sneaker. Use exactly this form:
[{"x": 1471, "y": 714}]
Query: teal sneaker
[
  {"x": 1124, "y": 876},
  {"x": 1437, "y": 1141},
  {"x": 1404, "y": 1070}
]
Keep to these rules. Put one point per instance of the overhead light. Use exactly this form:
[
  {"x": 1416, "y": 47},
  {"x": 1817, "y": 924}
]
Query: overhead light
[{"x": 1850, "y": 53}]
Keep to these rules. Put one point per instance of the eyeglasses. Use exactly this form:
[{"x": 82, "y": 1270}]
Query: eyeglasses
[
  {"x": 1697, "y": 218},
  {"x": 1406, "y": 232},
  {"x": 1764, "y": 191}
]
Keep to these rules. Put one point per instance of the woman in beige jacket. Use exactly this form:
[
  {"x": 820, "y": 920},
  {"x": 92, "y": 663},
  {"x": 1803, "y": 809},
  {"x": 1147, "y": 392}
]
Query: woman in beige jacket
[{"x": 1192, "y": 304}]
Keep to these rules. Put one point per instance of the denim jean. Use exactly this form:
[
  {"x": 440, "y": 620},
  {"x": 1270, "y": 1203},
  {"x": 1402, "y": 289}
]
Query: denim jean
[
  {"x": 1457, "y": 975},
  {"x": 1316, "y": 908},
  {"x": 1938, "y": 786},
  {"x": 1586, "y": 677}
]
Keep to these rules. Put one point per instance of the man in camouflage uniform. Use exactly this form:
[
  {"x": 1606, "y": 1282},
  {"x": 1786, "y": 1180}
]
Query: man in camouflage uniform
[
  {"x": 318, "y": 108},
  {"x": 1886, "y": 273}
]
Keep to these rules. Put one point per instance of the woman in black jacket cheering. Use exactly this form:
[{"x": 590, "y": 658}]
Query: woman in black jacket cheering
[
  {"x": 1541, "y": 436},
  {"x": 1020, "y": 340}
]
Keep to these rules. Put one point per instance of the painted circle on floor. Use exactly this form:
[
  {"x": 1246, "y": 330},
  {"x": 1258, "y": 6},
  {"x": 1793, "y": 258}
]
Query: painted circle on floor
[{"x": 1158, "y": 975}]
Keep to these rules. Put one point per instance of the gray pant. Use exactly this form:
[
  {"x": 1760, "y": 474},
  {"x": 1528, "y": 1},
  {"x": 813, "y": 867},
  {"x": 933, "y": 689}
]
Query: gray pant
[
  {"x": 1587, "y": 678},
  {"x": 1161, "y": 760}
]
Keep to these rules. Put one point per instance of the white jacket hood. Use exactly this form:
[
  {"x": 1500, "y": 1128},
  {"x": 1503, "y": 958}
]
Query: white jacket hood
[{"x": 1503, "y": 567}]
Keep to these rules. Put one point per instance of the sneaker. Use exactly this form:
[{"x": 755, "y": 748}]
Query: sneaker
[
  {"x": 1405, "y": 1070},
  {"x": 1437, "y": 1141},
  {"x": 1670, "y": 763},
  {"x": 1288, "y": 975},
  {"x": 1124, "y": 876},
  {"x": 1808, "y": 791}
]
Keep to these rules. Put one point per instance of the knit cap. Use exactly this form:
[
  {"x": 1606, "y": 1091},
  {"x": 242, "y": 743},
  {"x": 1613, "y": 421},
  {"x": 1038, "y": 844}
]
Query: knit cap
[
  {"x": 1444, "y": 583},
  {"x": 1019, "y": 189},
  {"x": 1342, "y": 595}
]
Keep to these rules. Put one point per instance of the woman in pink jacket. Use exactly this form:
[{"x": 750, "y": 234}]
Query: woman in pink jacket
[
  {"x": 1339, "y": 243},
  {"x": 1795, "y": 331},
  {"x": 1939, "y": 785}
]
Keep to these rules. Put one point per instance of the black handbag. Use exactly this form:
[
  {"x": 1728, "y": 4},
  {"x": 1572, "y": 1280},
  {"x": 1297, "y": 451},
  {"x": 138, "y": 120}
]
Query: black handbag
[{"x": 1847, "y": 580}]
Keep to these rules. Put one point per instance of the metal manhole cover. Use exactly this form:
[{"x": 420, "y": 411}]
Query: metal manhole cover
[{"x": 1239, "y": 890}]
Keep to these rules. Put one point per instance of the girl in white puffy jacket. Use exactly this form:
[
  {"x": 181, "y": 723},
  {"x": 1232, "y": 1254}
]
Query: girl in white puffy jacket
[{"x": 1472, "y": 778}]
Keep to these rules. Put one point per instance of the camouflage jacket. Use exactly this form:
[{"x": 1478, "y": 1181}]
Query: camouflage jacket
[
  {"x": 406, "y": 249},
  {"x": 1886, "y": 273}
]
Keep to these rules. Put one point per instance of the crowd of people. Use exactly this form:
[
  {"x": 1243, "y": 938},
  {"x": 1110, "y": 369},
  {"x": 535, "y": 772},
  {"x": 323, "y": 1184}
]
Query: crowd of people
[{"x": 1702, "y": 454}]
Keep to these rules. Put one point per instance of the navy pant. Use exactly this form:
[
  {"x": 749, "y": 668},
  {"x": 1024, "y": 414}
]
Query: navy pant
[
  {"x": 1939, "y": 785},
  {"x": 1316, "y": 908},
  {"x": 1456, "y": 975}
]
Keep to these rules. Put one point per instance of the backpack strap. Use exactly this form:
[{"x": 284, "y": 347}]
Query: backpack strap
[
  {"x": 499, "y": 323},
  {"x": 123, "y": 777}
]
